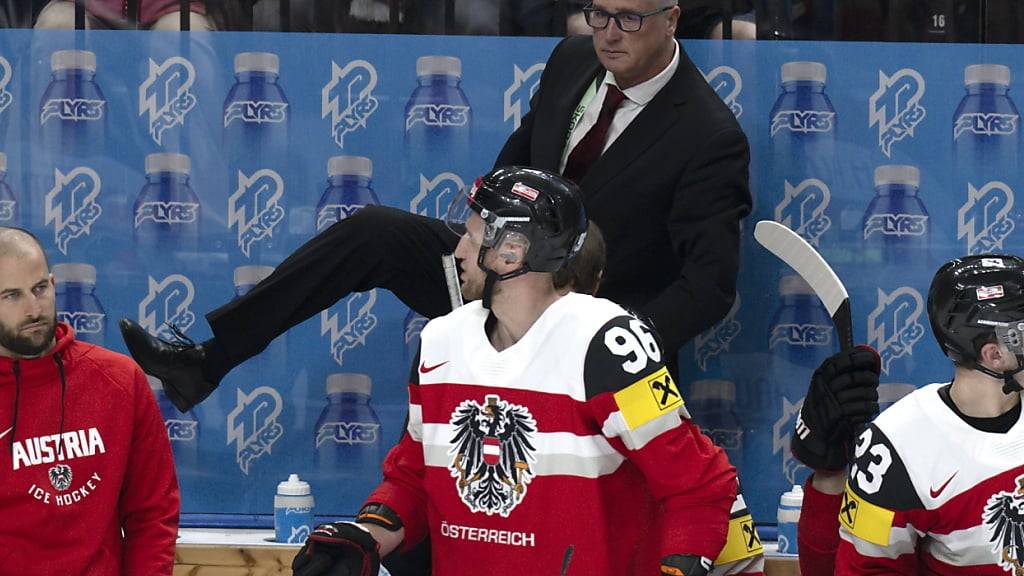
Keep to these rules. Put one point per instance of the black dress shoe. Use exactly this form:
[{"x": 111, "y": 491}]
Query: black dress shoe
[{"x": 178, "y": 365}]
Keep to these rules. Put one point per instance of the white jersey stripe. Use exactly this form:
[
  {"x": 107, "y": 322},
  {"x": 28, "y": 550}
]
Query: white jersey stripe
[
  {"x": 415, "y": 426},
  {"x": 615, "y": 426},
  {"x": 902, "y": 540}
]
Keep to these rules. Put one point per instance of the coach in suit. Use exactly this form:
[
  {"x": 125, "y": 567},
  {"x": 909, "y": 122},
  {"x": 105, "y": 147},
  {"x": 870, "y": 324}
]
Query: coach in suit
[{"x": 662, "y": 163}]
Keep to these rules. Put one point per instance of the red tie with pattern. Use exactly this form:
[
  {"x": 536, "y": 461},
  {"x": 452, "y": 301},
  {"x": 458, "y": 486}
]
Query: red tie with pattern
[{"x": 589, "y": 149}]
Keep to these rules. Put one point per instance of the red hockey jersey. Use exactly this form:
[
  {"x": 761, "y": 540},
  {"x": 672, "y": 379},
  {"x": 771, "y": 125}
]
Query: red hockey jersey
[
  {"x": 929, "y": 494},
  {"x": 573, "y": 443}
]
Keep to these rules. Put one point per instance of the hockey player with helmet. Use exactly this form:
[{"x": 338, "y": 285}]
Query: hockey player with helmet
[
  {"x": 936, "y": 485},
  {"x": 544, "y": 428}
]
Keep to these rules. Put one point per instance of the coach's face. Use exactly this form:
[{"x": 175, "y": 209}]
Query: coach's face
[
  {"x": 634, "y": 57},
  {"x": 27, "y": 305}
]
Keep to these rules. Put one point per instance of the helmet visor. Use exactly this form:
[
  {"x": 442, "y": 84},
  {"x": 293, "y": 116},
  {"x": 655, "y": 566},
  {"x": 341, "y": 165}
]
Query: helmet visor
[{"x": 460, "y": 209}]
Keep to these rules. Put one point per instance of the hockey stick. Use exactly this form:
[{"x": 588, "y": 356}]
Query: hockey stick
[
  {"x": 802, "y": 257},
  {"x": 451, "y": 278}
]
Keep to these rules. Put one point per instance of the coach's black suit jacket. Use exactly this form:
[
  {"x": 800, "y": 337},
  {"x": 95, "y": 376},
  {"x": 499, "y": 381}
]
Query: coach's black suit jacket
[{"x": 668, "y": 194}]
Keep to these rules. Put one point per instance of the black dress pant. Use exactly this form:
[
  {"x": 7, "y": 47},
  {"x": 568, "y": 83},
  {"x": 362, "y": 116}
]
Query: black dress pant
[{"x": 377, "y": 247}]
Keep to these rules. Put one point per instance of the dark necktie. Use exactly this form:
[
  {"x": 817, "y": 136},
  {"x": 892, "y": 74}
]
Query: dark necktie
[{"x": 589, "y": 149}]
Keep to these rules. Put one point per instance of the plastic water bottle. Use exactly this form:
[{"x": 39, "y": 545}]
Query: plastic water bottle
[
  {"x": 789, "y": 515},
  {"x": 986, "y": 124},
  {"x": 77, "y": 303},
  {"x": 803, "y": 122},
  {"x": 182, "y": 431},
  {"x": 801, "y": 330},
  {"x": 438, "y": 122},
  {"x": 896, "y": 227},
  {"x": 293, "y": 511},
  {"x": 73, "y": 110},
  {"x": 8, "y": 202},
  {"x": 712, "y": 404},
  {"x": 347, "y": 436},
  {"x": 348, "y": 190},
  {"x": 167, "y": 211},
  {"x": 256, "y": 114}
]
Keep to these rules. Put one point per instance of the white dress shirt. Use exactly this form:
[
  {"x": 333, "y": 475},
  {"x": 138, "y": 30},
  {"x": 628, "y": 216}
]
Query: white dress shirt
[{"x": 637, "y": 98}]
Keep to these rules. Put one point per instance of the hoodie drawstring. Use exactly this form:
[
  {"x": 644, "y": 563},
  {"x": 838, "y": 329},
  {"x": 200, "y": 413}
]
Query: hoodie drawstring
[
  {"x": 17, "y": 392},
  {"x": 63, "y": 389},
  {"x": 16, "y": 368}
]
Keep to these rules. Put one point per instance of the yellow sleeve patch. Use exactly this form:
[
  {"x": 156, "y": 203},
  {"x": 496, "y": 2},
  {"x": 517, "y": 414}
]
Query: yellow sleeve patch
[
  {"x": 648, "y": 398},
  {"x": 864, "y": 519},
  {"x": 742, "y": 542}
]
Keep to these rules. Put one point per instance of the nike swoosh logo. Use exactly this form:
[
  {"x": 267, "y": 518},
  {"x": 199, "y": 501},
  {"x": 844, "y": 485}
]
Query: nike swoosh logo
[
  {"x": 6, "y": 432},
  {"x": 935, "y": 493},
  {"x": 424, "y": 368}
]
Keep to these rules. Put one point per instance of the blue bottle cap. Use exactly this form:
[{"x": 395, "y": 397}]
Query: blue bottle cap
[
  {"x": 897, "y": 174},
  {"x": 439, "y": 65},
  {"x": 804, "y": 71},
  {"x": 357, "y": 383},
  {"x": 73, "y": 60},
  {"x": 350, "y": 166},
  {"x": 79, "y": 273},
  {"x": 168, "y": 162},
  {"x": 987, "y": 74},
  {"x": 713, "y": 389},
  {"x": 251, "y": 275},
  {"x": 793, "y": 284},
  {"x": 257, "y": 62}
]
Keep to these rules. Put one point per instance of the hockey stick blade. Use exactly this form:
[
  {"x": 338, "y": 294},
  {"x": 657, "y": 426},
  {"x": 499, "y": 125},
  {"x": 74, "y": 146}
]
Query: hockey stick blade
[{"x": 789, "y": 247}]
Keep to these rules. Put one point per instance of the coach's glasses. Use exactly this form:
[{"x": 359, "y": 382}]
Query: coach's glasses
[{"x": 626, "y": 21}]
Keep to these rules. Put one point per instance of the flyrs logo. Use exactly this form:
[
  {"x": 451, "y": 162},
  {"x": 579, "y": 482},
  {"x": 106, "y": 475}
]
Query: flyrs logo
[
  {"x": 255, "y": 207},
  {"x": 518, "y": 94},
  {"x": 893, "y": 326},
  {"x": 329, "y": 214},
  {"x": 437, "y": 115},
  {"x": 896, "y": 107},
  {"x": 803, "y": 209},
  {"x": 252, "y": 425},
  {"x": 166, "y": 95},
  {"x": 717, "y": 340},
  {"x": 348, "y": 98},
  {"x": 71, "y": 205},
  {"x": 984, "y": 220},
  {"x": 985, "y": 124},
  {"x": 435, "y": 194},
  {"x": 83, "y": 322},
  {"x": 168, "y": 302},
  {"x": 727, "y": 83},
  {"x": 359, "y": 322},
  {"x": 73, "y": 109}
]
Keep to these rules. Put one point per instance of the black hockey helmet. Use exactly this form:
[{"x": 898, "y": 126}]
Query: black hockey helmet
[
  {"x": 535, "y": 208},
  {"x": 975, "y": 299}
]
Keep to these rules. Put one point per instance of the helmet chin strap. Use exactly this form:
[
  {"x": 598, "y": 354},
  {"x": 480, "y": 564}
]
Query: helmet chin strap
[{"x": 1010, "y": 384}]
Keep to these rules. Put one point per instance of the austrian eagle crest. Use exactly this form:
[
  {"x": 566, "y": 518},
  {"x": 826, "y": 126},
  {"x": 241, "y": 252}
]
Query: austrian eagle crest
[
  {"x": 1004, "y": 517},
  {"x": 60, "y": 477},
  {"x": 492, "y": 454}
]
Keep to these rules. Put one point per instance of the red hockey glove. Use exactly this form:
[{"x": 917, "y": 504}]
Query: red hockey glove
[{"x": 338, "y": 549}]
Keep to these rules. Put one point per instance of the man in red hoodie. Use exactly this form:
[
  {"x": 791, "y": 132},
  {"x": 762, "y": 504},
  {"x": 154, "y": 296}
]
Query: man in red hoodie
[{"x": 87, "y": 483}]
